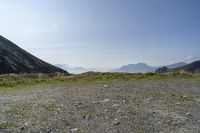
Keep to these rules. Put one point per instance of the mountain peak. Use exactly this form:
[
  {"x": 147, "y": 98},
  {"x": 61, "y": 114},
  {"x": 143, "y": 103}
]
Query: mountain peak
[
  {"x": 14, "y": 59},
  {"x": 134, "y": 68}
]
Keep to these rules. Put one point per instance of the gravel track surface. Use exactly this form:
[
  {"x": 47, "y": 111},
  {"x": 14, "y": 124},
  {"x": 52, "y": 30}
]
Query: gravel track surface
[{"x": 161, "y": 106}]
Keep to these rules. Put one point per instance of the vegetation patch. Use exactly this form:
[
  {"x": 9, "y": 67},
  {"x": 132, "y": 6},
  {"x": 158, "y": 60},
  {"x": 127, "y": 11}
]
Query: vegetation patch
[
  {"x": 5, "y": 125},
  {"x": 19, "y": 81}
]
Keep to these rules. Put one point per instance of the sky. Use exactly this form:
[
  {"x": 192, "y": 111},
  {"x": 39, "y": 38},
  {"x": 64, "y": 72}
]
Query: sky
[{"x": 104, "y": 33}]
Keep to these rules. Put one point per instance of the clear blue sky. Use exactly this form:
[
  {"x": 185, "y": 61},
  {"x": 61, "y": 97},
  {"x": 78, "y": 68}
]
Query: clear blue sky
[{"x": 104, "y": 33}]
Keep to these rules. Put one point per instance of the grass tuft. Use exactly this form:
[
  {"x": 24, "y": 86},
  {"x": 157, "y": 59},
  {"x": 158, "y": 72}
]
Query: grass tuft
[{"x": 17, "y": 81}]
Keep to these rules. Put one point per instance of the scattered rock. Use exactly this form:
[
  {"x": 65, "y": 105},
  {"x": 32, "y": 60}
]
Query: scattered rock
[
  {"x": 184, "y": 97},
  {"x": 106, "y": 110},
  {"x": 119, "y": 111},
  {"x": 66, "y": 123},
  {"x": 163, "y": 113},
  {"x": 74, "y": 130},
  {"x": 59, "y": 109},
  {"x": 87, "y": 117},
  {"x": 105, "y": 86},
  {"x": 96, "y": 102},
  {"x": 116, "y": 105},
  {"x": 116, "y": 122},
  {"x": 22, "y": 128},
  {"x": 149, "y": 99},
  {"x": 188, "y": 114},
  {"x": 198, "y": 100},
  {"x": 106, "y": 100}
]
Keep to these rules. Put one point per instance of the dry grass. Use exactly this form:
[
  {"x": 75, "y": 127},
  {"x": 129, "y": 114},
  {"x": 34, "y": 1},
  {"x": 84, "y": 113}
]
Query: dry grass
[{"x": 10, "y": 81}]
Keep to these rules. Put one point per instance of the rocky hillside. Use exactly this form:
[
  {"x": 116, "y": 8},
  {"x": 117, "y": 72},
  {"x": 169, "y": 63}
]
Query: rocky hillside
[
  {"x": 13, "y": 59},
  {"x": 176, "y": 65},
  {"x": 193, "y": 67}
]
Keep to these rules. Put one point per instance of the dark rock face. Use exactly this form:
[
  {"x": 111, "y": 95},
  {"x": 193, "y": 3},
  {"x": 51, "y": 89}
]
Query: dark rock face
[
  {"x": 193, "y": 67},
  {"x": 13, "y": 59},
  {"x": 162, "y": 70}
]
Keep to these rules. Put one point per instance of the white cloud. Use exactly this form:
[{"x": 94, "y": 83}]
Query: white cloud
[
  {"x": 189, "y": 57},
  {"x": 193, "y": 57}
]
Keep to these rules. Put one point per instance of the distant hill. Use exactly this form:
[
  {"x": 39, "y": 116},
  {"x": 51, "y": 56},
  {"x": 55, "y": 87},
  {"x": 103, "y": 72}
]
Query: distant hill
[
  {"x": 134, "y": 68},
  {"x": 162, "y": 70},
  {"x": 79, "y": 70},
  {"x": 175, "y": 65},
  {"x": 192, "y": 67},
  {"x": 74, "y": 70},
  {"x": 14, "y": 59},
  {"x": 143, "y": 68}
]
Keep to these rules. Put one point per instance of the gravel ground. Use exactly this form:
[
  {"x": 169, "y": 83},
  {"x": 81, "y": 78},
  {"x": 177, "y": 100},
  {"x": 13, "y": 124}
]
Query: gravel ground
[{"x": 161, "y": 106}]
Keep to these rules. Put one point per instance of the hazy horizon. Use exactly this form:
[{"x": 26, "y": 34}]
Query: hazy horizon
[{"x": 104, "y": 34}]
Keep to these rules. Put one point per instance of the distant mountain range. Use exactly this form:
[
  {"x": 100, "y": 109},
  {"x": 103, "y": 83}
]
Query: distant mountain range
[
  {"x": 73, "y": 70},
  {"x": 14, "y": 59},
  {"x": 78, "y": 70},
  {"x": 131, "y": 68},
  {"x": 143, "y": 68},
  {"x": 134, "y": 68}
]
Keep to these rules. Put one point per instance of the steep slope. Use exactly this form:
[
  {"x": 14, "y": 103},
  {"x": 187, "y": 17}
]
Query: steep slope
[
  {"x": 176, "y": 65},
  {"x": 13, "y": 59},
  {"x": 193, "y": 67}
]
